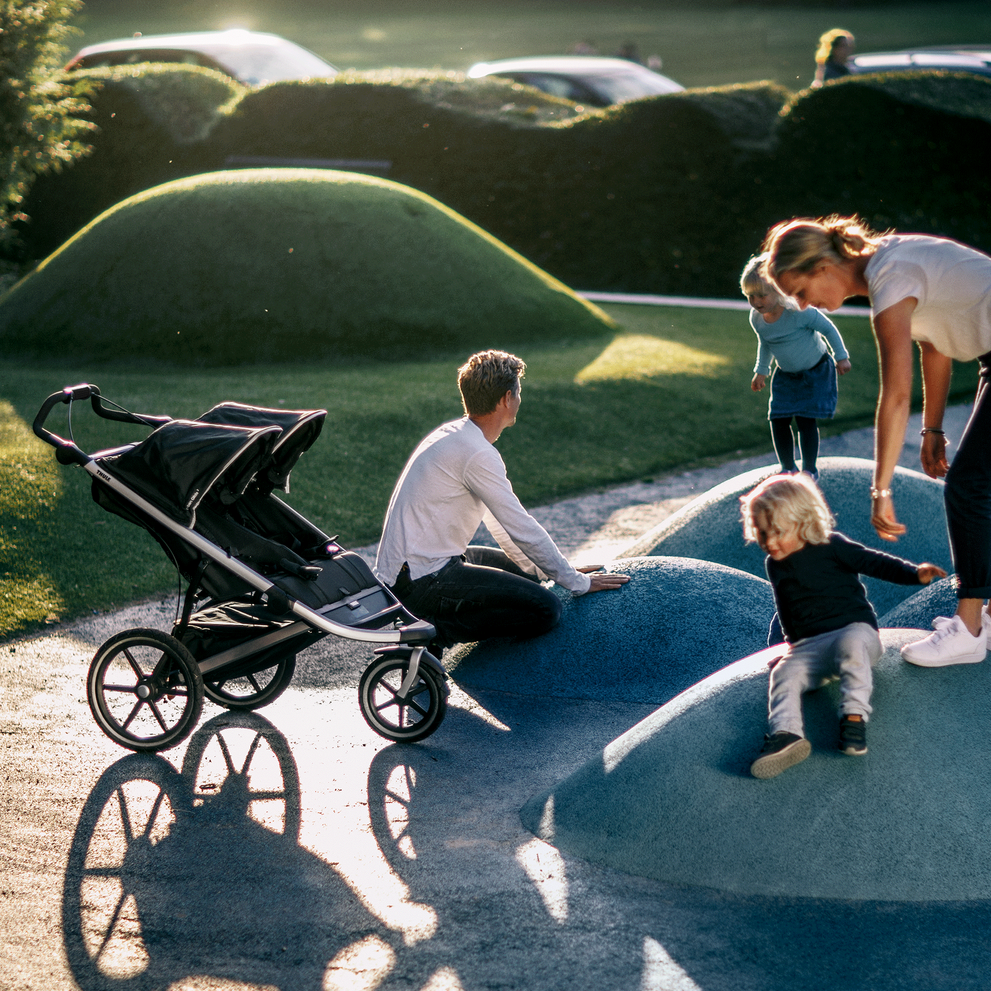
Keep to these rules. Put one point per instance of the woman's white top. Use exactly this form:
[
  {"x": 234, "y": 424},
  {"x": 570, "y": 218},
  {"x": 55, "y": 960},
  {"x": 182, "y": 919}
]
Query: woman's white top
[{"x": 950, "y": 281}]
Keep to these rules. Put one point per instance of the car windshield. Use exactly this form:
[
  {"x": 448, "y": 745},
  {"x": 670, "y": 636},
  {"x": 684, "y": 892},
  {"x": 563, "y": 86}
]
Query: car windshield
[
  {"x": 259, "y": 63},
  {"x": 618, "y": 87}
]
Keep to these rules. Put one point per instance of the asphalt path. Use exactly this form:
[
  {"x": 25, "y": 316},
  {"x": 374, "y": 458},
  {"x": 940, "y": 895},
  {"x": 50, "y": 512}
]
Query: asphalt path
[{"x": 295, "y": 849}]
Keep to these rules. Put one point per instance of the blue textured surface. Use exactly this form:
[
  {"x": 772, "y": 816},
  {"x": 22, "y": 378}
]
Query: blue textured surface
[
  {"x": 919, "y": 610},
  {"x": 676, "y": 622},
  {"x": 672, "y": 799},
  {"x": 709, "y": 528}
]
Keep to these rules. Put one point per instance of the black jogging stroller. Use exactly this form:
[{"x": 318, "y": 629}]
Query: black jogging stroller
[{"x": 263, "y": 583}]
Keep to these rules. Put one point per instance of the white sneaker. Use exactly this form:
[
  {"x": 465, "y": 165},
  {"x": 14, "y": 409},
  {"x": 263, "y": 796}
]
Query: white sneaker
[
  {"x": 950, "y": 643},
  {"x": 986, "y": 625}
]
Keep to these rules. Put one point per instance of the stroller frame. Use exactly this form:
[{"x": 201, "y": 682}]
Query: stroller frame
[{"x": 145, "y": 688}]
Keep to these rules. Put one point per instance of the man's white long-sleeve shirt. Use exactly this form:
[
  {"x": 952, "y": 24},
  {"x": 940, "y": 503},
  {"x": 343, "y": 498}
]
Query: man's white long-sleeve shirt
[{"x": 453, "y": 481}]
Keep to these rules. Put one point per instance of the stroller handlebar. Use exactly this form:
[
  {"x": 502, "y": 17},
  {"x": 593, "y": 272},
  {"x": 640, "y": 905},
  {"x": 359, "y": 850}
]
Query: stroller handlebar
[{"x": 66, "y": 452}]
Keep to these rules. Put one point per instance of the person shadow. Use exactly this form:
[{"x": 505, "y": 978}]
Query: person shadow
[{"x": 177, "y": 874}]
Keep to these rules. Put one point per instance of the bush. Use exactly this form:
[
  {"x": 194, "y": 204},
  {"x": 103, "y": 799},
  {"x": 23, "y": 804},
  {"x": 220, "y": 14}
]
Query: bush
[
  {"x": 40, "y": 129},
  {"x": 151, "y": 122},
  {"x": 665, "y": 195},
  {"x": 284, "y": 265},
  {"x": 904, "y": 150}
]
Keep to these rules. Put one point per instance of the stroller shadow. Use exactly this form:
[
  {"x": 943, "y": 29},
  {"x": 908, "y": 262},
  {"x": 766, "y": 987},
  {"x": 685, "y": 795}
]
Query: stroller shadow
[{"x": 172, "y": 875}]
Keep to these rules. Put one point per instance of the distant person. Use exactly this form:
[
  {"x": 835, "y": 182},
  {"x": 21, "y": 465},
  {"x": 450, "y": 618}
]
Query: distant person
[
  {"x": 585, "y": 47},
  {"x": 934, "y": 294},
  {"x": 455, "y": 480},
  {"x": 629, "y": 51},
  {"x": 829, "y": 625},
  {"x": 832, "y": 56},
  {"x": 803, "y": 385}
]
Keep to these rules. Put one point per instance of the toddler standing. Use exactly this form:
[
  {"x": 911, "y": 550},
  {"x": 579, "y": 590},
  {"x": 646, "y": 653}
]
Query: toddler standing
[
  {"x": 830, "y": 626},
  {"x": 803, "y": 385}
]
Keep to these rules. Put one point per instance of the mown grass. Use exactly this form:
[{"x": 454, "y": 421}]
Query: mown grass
[{"x": 670, "y": 390}]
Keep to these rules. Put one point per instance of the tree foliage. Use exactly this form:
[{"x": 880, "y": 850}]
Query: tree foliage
[{"x": 41, "y": 113}]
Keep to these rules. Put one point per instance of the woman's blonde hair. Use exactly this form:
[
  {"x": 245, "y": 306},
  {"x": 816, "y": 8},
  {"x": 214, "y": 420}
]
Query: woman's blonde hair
[
  {"x": 753, "y": 282},
  {"x": 799, "y": 245},
  {"x": 785, "y": 501},
  {"x": 828, "y": 41}
]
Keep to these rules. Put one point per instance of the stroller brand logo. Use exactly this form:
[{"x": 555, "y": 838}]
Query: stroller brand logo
[{"x": 102, "y": 474}]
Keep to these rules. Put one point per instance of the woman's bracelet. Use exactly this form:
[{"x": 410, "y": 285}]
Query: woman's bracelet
[
  {"x": 931, "y": 430},
  {"x": 880, "y": 493}
]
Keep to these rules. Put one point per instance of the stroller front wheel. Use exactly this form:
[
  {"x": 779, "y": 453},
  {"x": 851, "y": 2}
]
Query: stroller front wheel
[
  {"x": 145, "y": 690},
  {"x": 408, "y": 719}
]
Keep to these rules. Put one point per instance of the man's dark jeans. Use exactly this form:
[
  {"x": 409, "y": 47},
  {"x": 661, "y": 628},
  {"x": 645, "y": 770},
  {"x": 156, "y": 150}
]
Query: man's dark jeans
[
  {"x": 968, "y": 497},
  {"x": 480, "y": 595}
]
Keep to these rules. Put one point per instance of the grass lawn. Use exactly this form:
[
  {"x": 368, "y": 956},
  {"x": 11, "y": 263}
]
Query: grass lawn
[{"x": 669, "y": 391}]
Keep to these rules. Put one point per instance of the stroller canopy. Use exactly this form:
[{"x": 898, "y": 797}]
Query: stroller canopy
[
  {"x": 300, "y": 428},
  {"x": 183, "y": 461}
]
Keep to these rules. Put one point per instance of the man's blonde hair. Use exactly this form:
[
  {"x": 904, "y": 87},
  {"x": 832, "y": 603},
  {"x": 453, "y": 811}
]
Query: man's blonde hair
[
  {"x": 486, "y": 377},
  {"x": 785, "y": 501}
]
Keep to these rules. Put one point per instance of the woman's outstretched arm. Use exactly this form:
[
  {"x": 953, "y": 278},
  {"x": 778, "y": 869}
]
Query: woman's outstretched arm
[{"x": 893, "y": 332}]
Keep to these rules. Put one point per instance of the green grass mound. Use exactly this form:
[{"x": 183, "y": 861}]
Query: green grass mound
[{"x": 284, "y": 265}]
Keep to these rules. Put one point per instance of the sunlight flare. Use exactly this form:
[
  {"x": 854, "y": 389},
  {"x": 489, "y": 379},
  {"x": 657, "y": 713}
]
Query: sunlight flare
[{"x": 639, "y": 356}]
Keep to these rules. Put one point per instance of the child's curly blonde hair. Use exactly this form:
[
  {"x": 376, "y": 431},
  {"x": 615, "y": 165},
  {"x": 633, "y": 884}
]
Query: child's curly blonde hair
[{"x": 786, "y": 501}]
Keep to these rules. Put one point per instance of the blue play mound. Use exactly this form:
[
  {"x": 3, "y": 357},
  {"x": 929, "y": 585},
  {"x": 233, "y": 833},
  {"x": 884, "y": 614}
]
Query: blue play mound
[
  {"x": 919, "y": 610},
  {"x": 672, "y": 799},
  {"x": 709, "y": 527},
  {"x": 676, "y": 622}
]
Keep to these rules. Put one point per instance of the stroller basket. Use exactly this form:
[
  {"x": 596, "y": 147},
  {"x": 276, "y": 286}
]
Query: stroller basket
[{"x": 263, "y": 582}]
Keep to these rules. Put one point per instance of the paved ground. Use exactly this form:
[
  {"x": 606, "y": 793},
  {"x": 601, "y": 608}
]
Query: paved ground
[{"x": 295, "y": 849}]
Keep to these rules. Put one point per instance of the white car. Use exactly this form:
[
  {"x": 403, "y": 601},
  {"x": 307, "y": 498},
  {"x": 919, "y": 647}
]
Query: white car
[
  {"x": 948, "y": 59},
  {"x": 592, "y": 80},
  {"x": 250, "y": 57}
]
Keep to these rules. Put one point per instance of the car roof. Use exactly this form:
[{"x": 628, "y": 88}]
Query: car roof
[
  {"x": 193, "y": 40},
  {"x": 584, "y": 64},
  {"x": 952, "y": 59}
]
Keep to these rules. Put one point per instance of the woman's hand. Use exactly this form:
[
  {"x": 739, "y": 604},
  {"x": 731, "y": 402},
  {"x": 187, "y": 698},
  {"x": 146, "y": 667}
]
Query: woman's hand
[
  {"x": 927, "y": 572},
  {"x": 757, "y": 382},
  {"x": 932, "y": 454},
  {"x": 883, "y": 518},
  {"x": 843, "y": 366}
]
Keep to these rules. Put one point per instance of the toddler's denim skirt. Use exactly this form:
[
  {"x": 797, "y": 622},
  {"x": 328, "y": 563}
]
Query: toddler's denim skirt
[{"x": 810, "y": 393}]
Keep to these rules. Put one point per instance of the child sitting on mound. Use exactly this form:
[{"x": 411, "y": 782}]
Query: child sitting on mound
[{"x": 829, "y": 625}]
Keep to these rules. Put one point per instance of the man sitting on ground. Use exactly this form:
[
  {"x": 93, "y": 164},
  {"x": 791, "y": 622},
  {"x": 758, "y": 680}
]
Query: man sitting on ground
[{"x": 454, "y": 480}]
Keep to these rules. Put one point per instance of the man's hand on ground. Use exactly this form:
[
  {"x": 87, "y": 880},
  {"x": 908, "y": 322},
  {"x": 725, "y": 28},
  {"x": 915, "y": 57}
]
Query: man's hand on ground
[{"x": 605, "y": 580}]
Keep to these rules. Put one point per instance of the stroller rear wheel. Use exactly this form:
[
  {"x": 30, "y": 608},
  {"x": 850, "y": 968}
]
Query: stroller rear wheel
[
  {"x": 251, "y": 691},
  {"x": 403, "y": 719},
  {"x": 145, "y": 690}
]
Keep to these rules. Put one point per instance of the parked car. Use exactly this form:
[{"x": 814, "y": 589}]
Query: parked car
[
  {"x": 950, "y": 59},
  {"x": 588, "y": 79},
  {"x": 247, "y": 56}
]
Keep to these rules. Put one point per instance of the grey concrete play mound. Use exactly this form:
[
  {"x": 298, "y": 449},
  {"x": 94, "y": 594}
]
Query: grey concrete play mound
[
  {"x": 672, "y": 799},
  {"x": 676, "y": 622},
  {"x": 709, "y": 527}
]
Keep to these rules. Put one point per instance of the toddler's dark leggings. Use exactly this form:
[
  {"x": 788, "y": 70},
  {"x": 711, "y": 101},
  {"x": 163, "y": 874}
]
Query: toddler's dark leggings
[{"x": 784, "y": 442}]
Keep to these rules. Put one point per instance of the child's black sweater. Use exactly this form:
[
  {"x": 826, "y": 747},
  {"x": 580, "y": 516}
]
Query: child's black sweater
[{"x": 817, "y": 589}]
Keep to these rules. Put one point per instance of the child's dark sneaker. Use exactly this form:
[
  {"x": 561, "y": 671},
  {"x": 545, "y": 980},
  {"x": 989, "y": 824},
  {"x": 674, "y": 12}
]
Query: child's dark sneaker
[
  {"x": 780, "y": 751},
  {"x": 853, "y": 736}
]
